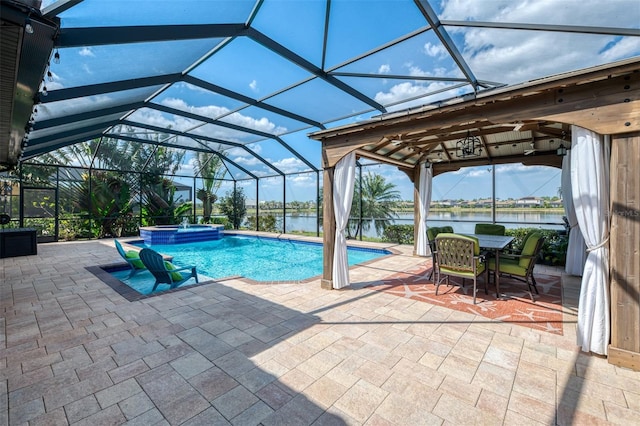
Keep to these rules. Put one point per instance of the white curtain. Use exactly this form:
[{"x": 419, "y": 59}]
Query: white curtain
[
  {"x": 424, "y": 199},
  {"x": 590, "y": 185},
  {"x": 577, "y": 249},
  {"x": 344, "y": 176}
]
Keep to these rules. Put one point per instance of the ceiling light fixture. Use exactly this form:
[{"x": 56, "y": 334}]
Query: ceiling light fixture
[
  {"x": 470, "y": 146},
  {"x": 561, "y": 151},
  {"x": 56, "y": 57},
  {"x": 27, "y": 26}
]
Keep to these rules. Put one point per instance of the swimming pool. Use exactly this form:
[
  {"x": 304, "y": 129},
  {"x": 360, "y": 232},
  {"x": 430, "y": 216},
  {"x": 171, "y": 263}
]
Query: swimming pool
[{"x": 257, "y": 258}]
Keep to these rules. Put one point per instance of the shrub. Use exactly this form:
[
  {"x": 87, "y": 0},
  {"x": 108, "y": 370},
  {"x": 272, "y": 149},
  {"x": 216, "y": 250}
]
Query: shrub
[
  {"x": 554, "y": 248},
  {"x": 268, "y": 223},
  {"x": 401, "y": 234},
  {"x": 220, "y": 220}
]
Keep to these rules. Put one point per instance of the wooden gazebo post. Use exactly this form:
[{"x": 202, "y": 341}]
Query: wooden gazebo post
[
  {"x": 328, "y": 229},
  {"x": 416, "y": 207}
]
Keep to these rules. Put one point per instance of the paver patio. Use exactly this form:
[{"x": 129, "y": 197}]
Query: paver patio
[{"x": 73, "y": 351}]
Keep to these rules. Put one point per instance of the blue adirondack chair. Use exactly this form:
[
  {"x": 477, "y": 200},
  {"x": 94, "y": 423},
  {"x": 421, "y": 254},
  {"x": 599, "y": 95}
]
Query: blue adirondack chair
[
  {"x": 132, "y": 258},
  {"x": 165, "y": 272}
]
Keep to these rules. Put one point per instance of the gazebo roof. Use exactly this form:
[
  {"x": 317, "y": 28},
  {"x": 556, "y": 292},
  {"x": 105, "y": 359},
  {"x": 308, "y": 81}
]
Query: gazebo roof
[
  {"x": 250, "y": 79},
  {"x": 528, "y": 123}
]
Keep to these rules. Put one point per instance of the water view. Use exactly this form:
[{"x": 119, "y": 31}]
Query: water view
[{"x": 461, "y": 221}]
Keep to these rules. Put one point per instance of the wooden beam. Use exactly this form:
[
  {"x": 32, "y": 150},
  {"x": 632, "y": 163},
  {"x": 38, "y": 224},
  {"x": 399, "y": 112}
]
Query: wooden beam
[
  {"x": 378, "y": 157},
  {"x": 538, "y": 159}
]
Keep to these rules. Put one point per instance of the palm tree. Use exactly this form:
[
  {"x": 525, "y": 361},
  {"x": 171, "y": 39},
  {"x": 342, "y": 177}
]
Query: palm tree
[
  {"x": 211, "y": 168},
  {"x": 379, "y": 200}
]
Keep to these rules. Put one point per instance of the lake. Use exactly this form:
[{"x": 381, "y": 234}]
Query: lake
[{"x": 461, "y": 221}]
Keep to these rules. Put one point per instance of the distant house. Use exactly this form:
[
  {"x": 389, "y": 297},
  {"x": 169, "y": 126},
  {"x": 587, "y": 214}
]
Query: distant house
[
  {"x": 486, "y": 202},
  {"x": 183, "y": 192},
  {"x": 556, "y": 203},
  {"x": 529, "y": 202},
  {"x": 444, "y": 203},
  {"x": 504, "y": 203}
]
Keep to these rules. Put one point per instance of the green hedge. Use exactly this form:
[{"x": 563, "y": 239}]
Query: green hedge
[
  {"x": 554, "y": 249},
  {"x": 400, "y": 234}
]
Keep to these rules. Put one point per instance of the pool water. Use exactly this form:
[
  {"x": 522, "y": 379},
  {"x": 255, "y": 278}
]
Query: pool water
[{"x": 256, "y": 258}]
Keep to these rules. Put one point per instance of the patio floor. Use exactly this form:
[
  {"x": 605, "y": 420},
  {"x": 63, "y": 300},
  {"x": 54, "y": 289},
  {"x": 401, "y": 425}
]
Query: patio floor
[{"x": 73, "y": 351}]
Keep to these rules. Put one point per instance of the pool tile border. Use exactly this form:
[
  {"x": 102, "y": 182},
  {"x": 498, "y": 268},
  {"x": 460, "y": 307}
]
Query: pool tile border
[{"x": 103, "y": 274}]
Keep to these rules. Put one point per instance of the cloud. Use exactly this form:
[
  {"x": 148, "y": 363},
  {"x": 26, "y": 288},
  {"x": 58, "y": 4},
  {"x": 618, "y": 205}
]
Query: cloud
[
  {"x": 86, "y": 51},
  {"x": 384, "y": 69},
  {"x": 435, "y": 51},
  {"x": 410, "y": 89},
  {"x": 261, "y": 124},
  {"x": 621, "y": 48},
  {"x": 247, "y": 161},
  {"x": 514, "y": 56},
  {"x": 254, "y": 86},
  {"x": 289, "y": 165}
]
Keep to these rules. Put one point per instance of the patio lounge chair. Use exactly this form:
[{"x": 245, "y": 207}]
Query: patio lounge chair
[
  {"x": 432, "y": 233},
  {"x": 164, "y": 271},
  {"x": 489, "y": 229},
  {"x": 520, "y": 266},
  {"x": 132, "y": 258},
  {"x": 459, "y": 256}
]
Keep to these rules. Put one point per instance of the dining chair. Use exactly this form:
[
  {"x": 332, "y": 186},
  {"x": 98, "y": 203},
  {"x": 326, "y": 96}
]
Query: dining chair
[
  {"x": 432, "y": 233},
  {"x": 520, "y": 266},
  {"x": 459, "y": 256},
  {"x": 489, "y": 229}
]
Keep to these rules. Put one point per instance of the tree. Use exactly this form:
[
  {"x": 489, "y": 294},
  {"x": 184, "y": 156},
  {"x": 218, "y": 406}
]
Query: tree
[
  {"x": 379, "y": 200},
  {"x": 160, "y": 206},
  {"x": 108, "y": 202},
  {"x": 234, "y": 206},
  {"x": 210, "y": 167}
]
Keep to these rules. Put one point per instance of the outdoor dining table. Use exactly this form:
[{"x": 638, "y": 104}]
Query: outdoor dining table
[{"x": 496, "y": 243}]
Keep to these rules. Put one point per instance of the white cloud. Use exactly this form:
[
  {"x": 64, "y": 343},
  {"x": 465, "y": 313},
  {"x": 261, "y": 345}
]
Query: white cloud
[
  {"x": 435, "y": 51},
  {"x": 384, "y": 69},
  {"x": 622, "y": 48},
  {"x": 86, "y": 51},
  {"x": 247, "y": 161},
  {"x": 262, "y": 124},
  {"x": 407, "y": 90},
  {"x": 289, "y": 165},
  {"x": 513, "y": 56},
  {"x": 254, "y": 85}
]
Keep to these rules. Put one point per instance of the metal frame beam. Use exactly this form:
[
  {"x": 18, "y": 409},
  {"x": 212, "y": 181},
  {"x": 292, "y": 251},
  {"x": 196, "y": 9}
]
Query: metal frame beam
[
  {"x": 433, "y": 20},
  {"x": 204, "y": 138},
  {"x": 100, "y": 36},
  {"x": 113, "y": 86},
  {"x": 633, "y": 32},
  {"x": 250, "y": 101},
  {"x": 279, "y": 49}
]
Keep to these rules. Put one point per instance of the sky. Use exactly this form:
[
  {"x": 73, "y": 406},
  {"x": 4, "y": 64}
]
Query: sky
[{"x": 245, "y": 67}]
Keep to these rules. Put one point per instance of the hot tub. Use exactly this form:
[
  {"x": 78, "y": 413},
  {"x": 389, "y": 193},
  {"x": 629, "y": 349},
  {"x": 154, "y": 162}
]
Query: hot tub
[{"x": 178, "y": 234}]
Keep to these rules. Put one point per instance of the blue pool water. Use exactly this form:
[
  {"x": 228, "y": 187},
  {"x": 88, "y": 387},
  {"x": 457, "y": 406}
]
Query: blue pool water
[{"x": 256, "y": 258}]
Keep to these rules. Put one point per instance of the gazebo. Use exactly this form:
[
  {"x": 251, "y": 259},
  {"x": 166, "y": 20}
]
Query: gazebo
[{"x": 553, "y": 113}]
